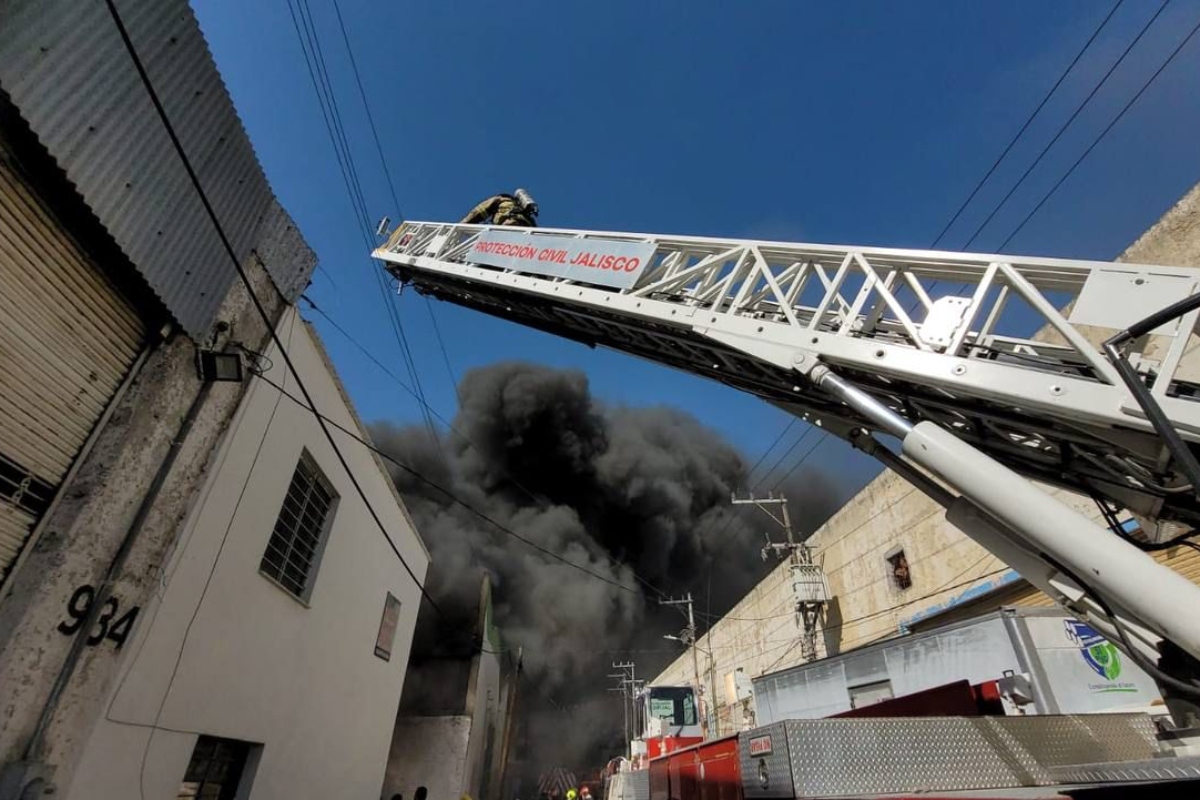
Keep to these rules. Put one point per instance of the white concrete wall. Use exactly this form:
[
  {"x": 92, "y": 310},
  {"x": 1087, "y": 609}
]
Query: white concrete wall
[
  {"x": 221, "y": 650},
  {"x": 760, "y": 634}
]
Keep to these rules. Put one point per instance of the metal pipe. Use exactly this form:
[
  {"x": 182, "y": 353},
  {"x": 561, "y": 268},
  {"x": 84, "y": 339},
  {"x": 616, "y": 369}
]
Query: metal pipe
[
  {"x": 1151, "y": 593},
  {"x": 887, "y": 420},
  {"x": 1031, "y": 663},
  {"x": 104, "y": 590},
  {"x": 1178, "y": 448},
  {"x": 988, "y": 532},
  {"x": 696, "y": 663},
  {"x": 924, "y": 484}
]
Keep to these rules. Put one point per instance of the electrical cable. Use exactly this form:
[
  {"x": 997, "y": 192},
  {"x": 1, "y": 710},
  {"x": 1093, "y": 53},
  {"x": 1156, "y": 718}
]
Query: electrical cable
[
  {"x": 858, "y": 527},
  {"x": 362, "y": 93},
  {"x": 1065, "y": 126},
  {"x": 1114, "y": 524},
  {"x": 804, "y": 435},
  {"x": 252, "y": 293},
  {"x": 793, "y": 641},
  {"x": 758, "y": 485},
  {"x": 187, "y": 631},
  {"x": 1103, "y": 133},
  {"x": 1189, "y": 689},
  {"x": 721, "y": 545},
  {"x": 1012, "y": 143},
  {"x": 791, "y": 423},
  {"x": 442, "y": 490},
  {"x": 800, "y": 461},
  {"x": 940, "y": 590},
  {"x": 540, "y": 501},
  {"x": 437, "y": 333},
  {"x": 367, "y": 106},
  {"x": 326, "y": 98}
]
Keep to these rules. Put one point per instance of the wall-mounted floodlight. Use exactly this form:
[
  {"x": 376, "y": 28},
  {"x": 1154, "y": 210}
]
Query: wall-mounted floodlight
[{"x": 214, "y": 366}]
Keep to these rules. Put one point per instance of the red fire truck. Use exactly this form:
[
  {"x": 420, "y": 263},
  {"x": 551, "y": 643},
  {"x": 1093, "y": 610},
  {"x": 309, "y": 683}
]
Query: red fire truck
[{"x": 953, "y": 741}]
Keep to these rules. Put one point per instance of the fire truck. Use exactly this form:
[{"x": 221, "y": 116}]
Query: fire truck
[{"x": 926, "y": 360}]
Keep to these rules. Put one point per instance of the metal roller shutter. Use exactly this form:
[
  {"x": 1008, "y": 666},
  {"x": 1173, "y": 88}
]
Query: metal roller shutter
[{"x": 67, "y": 340}]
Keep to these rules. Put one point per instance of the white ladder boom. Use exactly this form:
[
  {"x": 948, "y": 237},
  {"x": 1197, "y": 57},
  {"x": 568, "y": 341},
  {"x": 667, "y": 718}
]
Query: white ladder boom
[
  {"x": 823, "y": 331},
  {"x": 1049, "y": 406}
]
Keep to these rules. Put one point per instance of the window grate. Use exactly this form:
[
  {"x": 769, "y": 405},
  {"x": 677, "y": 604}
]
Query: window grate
[
  {"x": 215, "y": 770},
  {"x": 901, "y": 576},
  {"x": 292, "y": 552}
]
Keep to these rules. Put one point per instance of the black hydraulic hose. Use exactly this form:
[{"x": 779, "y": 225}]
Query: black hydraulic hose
[{"x": 1179, "y": 449}]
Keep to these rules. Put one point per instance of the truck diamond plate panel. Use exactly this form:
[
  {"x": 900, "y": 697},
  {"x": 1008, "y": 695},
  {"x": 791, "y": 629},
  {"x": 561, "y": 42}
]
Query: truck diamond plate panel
[
  {"x": 1156, "y": 769},
  {"x": 766, "y": 767},
  {"x": 832, "y": 757}
]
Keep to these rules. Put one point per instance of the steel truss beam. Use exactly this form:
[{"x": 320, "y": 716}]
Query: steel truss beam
[{"x": 747, "y": 313}]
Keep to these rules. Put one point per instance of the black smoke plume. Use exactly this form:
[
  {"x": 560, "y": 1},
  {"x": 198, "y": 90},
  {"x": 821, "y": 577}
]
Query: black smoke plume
[{"x": 638, "y": 496}]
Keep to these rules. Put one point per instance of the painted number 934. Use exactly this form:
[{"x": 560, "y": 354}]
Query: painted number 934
[{"x": 108, "y": 624}]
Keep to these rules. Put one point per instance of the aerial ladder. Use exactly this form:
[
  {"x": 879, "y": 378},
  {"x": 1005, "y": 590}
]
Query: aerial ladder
[{"x": 1018, "y": 372}]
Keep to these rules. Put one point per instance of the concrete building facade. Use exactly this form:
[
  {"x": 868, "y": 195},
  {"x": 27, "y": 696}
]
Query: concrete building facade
[
  {"x": 305, "y": 680},
  {"x": 117, "y": 460},
  {"x": 949, "y": 576}
]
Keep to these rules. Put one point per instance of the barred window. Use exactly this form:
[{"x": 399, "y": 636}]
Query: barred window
[
  {"x": 215, "y": 771},
  {"x": 898, "y": 570},
  {"x": 299, "y": 535}
]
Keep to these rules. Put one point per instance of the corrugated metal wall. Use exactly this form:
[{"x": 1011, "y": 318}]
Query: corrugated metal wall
[
  {"x": 63, "y": 64},
  {"x": 67, "y": 339}
]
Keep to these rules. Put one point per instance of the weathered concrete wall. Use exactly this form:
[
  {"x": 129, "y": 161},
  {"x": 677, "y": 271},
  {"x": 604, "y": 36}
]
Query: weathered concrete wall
[
  {"x": 484, "y": 706},
  {"x": 81, "y": 536},
  {"x": 413, "y": 762},
  {"x": 429, "y": 752},
  {"x": 222, "y": 650},
  {"x": 761, "y": 634}
]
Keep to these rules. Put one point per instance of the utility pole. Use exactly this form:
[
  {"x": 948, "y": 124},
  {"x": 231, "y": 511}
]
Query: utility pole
[
  {"x": 688, "y": 638},
  {"x": 809, "y": 586},
  {"x": 627, "y": 686},
  {"x": 784, "y": 520}
]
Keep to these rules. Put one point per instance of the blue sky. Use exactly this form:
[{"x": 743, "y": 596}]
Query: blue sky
[{"x": 856, "y": 122}]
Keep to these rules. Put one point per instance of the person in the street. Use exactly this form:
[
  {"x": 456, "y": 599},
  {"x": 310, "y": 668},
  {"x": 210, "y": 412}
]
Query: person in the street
[{"x": 516, "y": 210}]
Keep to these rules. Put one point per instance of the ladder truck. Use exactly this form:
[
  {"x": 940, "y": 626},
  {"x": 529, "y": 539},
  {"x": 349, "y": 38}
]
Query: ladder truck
[{"x": 950, "y": 388}]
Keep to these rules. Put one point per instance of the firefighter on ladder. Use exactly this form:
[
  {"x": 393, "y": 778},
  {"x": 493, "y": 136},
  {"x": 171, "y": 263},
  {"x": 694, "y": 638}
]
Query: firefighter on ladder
[{"x": 517, "y": 209}]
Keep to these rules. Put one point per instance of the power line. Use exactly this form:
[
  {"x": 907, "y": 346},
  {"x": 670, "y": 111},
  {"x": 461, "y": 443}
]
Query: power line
[
  {"x": 799, "y": 462},
  {"x": 367, "y": 106},
  {"x": 1103, "y": 133},
  {"x": 1062, "y": 77},
  {"x": 255, "y": 301},
  {"x": 327, "y": 99},
  {"x": 253, "y": 294},
  {"x": 449, "y": 495},
  {"x": 540, "y": 501},
  {"x": 362, "y": 93},
  {"x": 943, "y": 589},
  {"x": 783, "y": 457},
  {"x": 1067, "y": 124},
  {"x": 792, "y": 642},
  {"x": 917, "y": 301},
  {"x": 766, "y": 452}
]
